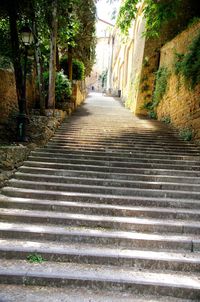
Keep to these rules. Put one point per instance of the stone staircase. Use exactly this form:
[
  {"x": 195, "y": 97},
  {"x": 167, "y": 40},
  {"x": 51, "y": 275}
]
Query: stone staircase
[{"x": 112, "y": 203}]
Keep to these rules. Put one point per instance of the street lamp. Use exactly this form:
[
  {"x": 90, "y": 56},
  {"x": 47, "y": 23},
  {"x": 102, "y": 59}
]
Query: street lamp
[{"x": 27, "y": 39}]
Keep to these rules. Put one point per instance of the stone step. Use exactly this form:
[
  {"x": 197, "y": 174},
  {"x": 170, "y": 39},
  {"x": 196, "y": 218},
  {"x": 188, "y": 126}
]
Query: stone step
[
  {"x": 83, "y": 275},
  {"x": 99, "y": 209},
  {"x": 20, "y": 293},
  {"x": 93, "y": 254},
  {"x": 108, "y": 182},
  {"x": 59, "y": 173},
  {"x": 112, "y": 158},
  {"x": 108, "y": 140},
  {"x": 136, "y": 224},
  {"x": 115, "y": 164},
  {"x": 121, "y": 148},
  {"x": 103, "y": 190},
  {"x": 116, "y": 131},
  {"x": 102, "y": 236},
  {"x": 151, "y": 170},
  {"x": 124, "y": 155},
  {"x": 102, "y": 199},
  {"x": 121, "y": 141}
]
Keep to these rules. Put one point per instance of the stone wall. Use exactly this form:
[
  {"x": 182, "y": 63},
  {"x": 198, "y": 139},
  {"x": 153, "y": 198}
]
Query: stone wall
[
  {"x": 8, "y": 97},
  {"x": 79, "y": 92},
  {"x": 39, "y": 130},
  {"x": 179, "y": 103}
]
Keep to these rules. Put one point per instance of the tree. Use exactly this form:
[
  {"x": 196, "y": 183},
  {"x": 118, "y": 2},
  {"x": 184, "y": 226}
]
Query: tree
[
  {"x": 58, "y": 26},
  {"x": 86, "y": 37},
  {"x": 10, "y": 10},
  {"x": 52, "y": 63}
]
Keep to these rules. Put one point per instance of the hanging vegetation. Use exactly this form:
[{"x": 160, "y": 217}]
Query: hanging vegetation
[
  {"x": 188, "y": 64},
  {"x": 156, "y": 13}
]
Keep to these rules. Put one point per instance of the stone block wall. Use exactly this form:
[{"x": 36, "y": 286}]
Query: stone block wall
[
  {"x": 8, "y": 97},
  {"x": 179, "y": 103}
]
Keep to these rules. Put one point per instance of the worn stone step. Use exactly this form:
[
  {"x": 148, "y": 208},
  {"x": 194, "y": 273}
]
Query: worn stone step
[
  {"x": 93, "y": 254},
  {"x": 121, "y": 148},
  {"x": 108, "y": 182},
  {"x": 109, "y": 141},
  {"x": 20, "y": 293},
  {"x": 116, "y": 131},
  {"x": 129, "y": 133},
  {"x": 126, "y": 146},
  {"x": 114, "y": 153},
  {"x": 114, "y": 238},
  {"x": 118, "y": 223},
  {"x": 135, "y": 158},
  {"x": 104, "y": 190},
  {"x": 108, "y": 176},
  {"x": 103, "y": 199},
  {"x": 151, "y": 170},
  {"x": 134, "y": 281},
  {"x": 99, "y": 209},
  {"x": 62, "y": 139},
  {"x": 116, "y": 164}
]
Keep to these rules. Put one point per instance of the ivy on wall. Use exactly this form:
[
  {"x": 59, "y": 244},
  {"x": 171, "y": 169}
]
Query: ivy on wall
[
  {"x": 156, "y": 13},
  {"x": 161, "y": 85},
  {"x": 188, "y": 64},
  {"x": 162, "y": 76}
]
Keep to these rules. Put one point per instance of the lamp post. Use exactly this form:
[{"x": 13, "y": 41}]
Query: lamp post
[{"x": 27, "y": 39}]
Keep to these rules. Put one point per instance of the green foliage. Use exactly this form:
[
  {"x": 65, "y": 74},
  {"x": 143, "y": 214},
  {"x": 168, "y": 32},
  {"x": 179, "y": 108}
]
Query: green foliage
[
  {"x": 103, "y": 78},
  {"x": 63, "y": 86},
  {"x": 35, "y": 258},
  {"x": 78, "y": 68},
  {"x": 5, "y": 46},
  {"x": 193, "y": 21},
  {"x": 166, "y": 119},
  {"x": 161, "y": 85},
  {"x": 127, "y": 14},
  {"x": 148, "y": 106},
  {"x": 160, "y": 89},
  {"x": 152, "y": 114},
  {"x": 178, "y": 62},
  {"x": 188, "y": 64},
  {"x": 186, "y": 134},
  {"x": 157, "y": 13},
  {"x": 5, "y": 62}
]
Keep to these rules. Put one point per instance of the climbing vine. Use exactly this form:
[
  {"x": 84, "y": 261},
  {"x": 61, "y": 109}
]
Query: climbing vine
[
  {"x": 160, "y": 88},
  {"x": 188, "y": 64},
  {"x": 156, "y": 13},
  {"x": 161, "y": 85}
]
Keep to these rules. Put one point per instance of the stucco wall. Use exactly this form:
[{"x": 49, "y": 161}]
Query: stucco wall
[
  {"x": 127, "y": 57},
  {"x": 180, "y": 103}
]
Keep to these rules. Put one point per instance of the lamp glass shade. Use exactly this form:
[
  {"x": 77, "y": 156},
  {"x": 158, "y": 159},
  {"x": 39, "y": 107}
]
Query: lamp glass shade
[{"x": 27, "y": 36}]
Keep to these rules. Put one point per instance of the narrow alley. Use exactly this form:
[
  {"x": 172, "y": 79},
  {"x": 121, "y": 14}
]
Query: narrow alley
[{"x": 108, "y": 210}]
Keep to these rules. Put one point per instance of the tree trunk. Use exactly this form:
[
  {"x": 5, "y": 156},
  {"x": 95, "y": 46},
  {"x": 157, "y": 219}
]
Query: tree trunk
[
  {"x": 70, "y": 49},
  {"x": 39, "y": 65},
  {"x": 16, "y": 58},
  {"x": 52, "y": 63},
  {"x": 70, "y": 62},
  {"x": 57, "y": 60}
]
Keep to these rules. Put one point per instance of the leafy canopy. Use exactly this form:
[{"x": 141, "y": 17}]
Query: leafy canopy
[{"x": 156, "y": 13}]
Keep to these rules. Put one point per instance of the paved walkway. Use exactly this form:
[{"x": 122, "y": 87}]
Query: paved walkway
[{"x": 112, "y": 204}]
